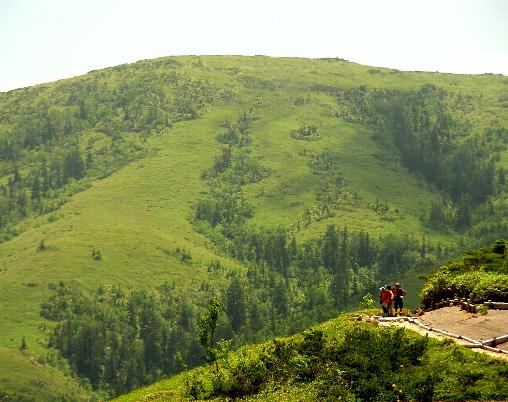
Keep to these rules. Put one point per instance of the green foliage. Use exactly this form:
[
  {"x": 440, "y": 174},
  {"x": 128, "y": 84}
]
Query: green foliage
[
  {"x": 432, "y": 141},
  {"x": 276, "y": 295},
  {"x": 343, "y": 360},
  {"x": 305, "y": 133},
  {"x": 96, "y": 254},
  {"x": 23, "y": 345},
  {"x": 365, "y": 364},
  {"x": 499, "y": 247},
  {"x": 120, "y": 340},
  {"x": 41, "y": 246},
  {"x": 483, "y": 310},
  {"x": 207, "y": 327},
  {"x": 385, "y": 211},
  {"x": 184, "y": 255},
  {"x": 225, "y": 205},
  {"x": 43, "y": 153},
  {"x": 481, "y": 275},
  {"x": 367, "y": 301}
]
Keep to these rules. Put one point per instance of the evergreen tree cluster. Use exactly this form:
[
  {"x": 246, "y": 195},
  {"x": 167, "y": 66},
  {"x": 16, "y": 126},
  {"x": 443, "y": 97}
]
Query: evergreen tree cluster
[
  {"x": 332, "y": 271},
  {"x": 434, "y": 142},
  {"x": 36, "y": 190},
  {"x": 225, "y": 204},
  {"x": 86, "y": 128},
  {"x": 119, "y": 340}
]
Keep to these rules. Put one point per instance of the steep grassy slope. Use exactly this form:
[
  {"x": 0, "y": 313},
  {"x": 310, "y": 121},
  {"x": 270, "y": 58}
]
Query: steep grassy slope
[
  {"x": 142, "y": 212},
  {"x": 133, "y": 218},
  {"x": 312, "y": 367},
  {"x": 26, "y": 377}
]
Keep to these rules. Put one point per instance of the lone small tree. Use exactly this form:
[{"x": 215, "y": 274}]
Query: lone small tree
[
  {"x": 367, "y": 301},
  {"x": 207, "y": 327},
  {"x": 23, "y": 345}
]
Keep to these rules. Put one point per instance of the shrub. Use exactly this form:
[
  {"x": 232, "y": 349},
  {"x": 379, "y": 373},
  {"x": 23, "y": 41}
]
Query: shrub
[
  {"x": 481, "y": 275},
  {"x": 364, "y": 365},
  {"x": 41, "y": 246},
  {"x": 305, "y": 133},
  {"x": 96, "y": 255}
]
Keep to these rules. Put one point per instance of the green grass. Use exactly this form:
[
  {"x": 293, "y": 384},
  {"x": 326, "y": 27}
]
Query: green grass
[
  {"x": 146, "y": 207},
  {"x": 25, "y": 375}
]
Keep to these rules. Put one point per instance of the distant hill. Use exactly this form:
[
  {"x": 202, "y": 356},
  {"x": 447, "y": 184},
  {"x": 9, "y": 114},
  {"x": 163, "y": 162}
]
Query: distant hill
[{"x": 288, "y": 187}]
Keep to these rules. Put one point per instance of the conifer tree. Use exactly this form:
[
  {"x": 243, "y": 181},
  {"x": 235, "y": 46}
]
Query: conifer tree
[
  {"x": 235, "y": 303},
  {"x": 207, "y": 327}
]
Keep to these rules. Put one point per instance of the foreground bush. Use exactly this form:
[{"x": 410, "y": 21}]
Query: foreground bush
[
  {"x": 346, "y": 360},
  {"x": 481, "y": 275},
  {"x": 368, "y": 364}
]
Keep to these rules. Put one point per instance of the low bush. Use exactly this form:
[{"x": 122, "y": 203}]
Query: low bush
[
  {"x": 367, "y": 364},
  {"x": 481, "y": 275}
]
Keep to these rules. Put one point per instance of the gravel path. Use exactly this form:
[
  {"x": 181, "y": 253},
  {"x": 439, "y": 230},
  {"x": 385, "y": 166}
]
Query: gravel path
[
  {"x": 475, "y": 326},
  {"x": 458, "y": 322}
]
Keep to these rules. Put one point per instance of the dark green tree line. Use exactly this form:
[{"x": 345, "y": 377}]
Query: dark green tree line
[{"x": 435, "y": 143}]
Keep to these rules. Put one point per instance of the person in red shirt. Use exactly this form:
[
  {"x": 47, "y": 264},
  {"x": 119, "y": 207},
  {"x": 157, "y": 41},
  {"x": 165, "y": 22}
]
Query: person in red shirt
[{"x": 386, "y": 300}]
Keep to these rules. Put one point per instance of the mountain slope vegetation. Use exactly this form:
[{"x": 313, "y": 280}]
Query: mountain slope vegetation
[
  {"x": 340, "y": 359},
  {"x": 292, "y": 185},
  {"x": 481, "y": 275}
]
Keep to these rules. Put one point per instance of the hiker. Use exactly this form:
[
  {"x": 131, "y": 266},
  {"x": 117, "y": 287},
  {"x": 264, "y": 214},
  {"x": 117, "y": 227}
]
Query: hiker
[
  {"x": 386, "y": 299},
  {"x": 398, "y": 297},
  {"x": 390, "y": 297},
  {"x": 381, "y": 290}
]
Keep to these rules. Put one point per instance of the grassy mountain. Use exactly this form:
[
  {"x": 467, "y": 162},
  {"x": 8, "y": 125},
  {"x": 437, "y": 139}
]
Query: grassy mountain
[{"x": 174, "y": 170}]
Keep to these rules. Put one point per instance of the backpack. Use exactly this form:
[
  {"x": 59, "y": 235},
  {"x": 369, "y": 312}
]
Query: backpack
[{"x": 386, "y": 296}]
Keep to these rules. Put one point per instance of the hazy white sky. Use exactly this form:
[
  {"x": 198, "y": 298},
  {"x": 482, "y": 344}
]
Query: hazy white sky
[{"x": 45, "y": 40}]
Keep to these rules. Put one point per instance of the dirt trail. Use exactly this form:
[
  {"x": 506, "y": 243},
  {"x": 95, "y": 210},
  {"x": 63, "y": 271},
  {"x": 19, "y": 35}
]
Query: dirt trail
[
  {"x": 460, "y": 323},
  {"x": 475, "y": 326}
]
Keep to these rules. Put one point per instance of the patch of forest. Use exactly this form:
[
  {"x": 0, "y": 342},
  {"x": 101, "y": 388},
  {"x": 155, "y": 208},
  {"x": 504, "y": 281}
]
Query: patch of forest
[
  {"x": 287, "y": 286},
  {"x": 119, "y": 339},
  {"x": 435, "y": 140}
]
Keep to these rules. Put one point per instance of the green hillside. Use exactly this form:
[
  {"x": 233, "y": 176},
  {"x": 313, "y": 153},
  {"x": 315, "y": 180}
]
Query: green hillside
[
  {"x": 288, "y": 184},
  {"x": 340, "y": 359}
]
